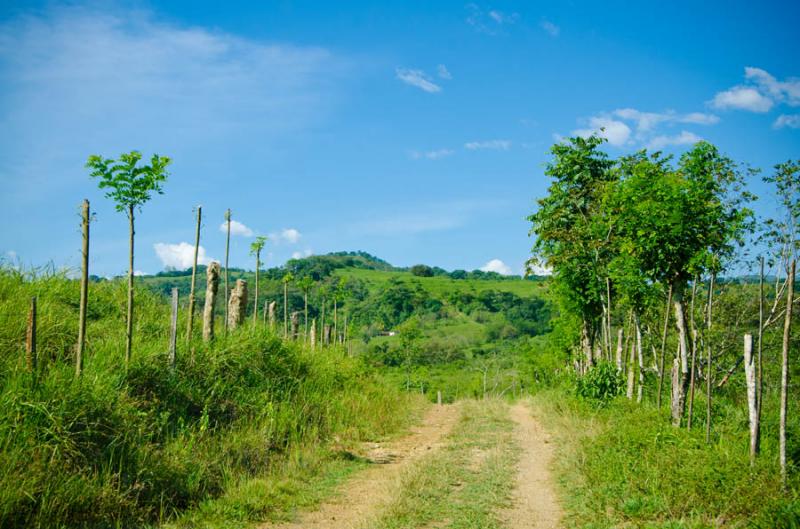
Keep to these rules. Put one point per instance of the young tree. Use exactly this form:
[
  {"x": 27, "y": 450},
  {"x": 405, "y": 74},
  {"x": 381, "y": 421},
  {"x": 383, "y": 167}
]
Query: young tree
[
  {"x": 255, "y": 249},
  {"x": 570, "y": 232},
  {"x": 129, "y": 185},
  {"x": 192, "y": 301}
]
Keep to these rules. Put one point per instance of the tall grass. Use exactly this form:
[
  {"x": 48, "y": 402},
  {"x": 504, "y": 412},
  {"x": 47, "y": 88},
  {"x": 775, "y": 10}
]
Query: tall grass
[{"x": 128, "y": 446}]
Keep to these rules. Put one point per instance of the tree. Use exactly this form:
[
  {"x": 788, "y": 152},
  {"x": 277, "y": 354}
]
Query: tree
[
  {"x": 678, "y": 223},
  {"x": 190, "y": 318},
  {"x": 421, "y": 270},
  {"x": 305, "y": 283},
  {"x": 255, "y": 249},
  {"x": 129, "y": 185},
  {"x": 570, "y": 237}
]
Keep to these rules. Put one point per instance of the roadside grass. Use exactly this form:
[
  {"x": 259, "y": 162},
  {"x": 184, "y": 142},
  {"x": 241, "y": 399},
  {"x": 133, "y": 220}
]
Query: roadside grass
[
  {"x": 466, "y": 482},
  {"x": 260, "y": 424},
  {"x": 623, "y": 465}
]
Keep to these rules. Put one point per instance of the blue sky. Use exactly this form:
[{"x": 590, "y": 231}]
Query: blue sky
[{"x": 415, "y": 131}]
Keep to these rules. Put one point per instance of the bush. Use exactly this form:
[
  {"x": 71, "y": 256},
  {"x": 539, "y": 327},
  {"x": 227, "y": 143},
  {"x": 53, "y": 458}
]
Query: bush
[{"x": 602, "y": 383}]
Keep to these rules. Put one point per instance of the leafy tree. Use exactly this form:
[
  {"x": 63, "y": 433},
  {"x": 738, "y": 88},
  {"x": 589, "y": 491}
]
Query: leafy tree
[
  {"x": 421, "y": 270},
  {"x": 129, "y": 185},
  {"x": 570, "y": 234},
  {"x": 255, "y": 249}
]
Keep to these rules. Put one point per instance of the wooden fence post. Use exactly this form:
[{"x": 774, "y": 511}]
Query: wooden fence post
[
  {"x": 313, "y": 334},
  {"x": 439, "y": 397},
  {"x": 84, "y": 289},
  {"x": 190, "y": 321},
  {"x": 212, "y": 286},
  {"x": 30, "y": 339},
  {"x": 173, "y": 329},
  {"x": 237, "y": 304},
  {"x": 752, "y": 403}
]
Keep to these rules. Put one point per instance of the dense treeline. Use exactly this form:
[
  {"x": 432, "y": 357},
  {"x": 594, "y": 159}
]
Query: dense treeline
[{"x": 637, "y": 247}]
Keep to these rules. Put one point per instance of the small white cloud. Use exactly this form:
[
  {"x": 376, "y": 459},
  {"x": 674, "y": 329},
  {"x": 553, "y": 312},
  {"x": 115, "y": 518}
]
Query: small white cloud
[
  {"x": 496, "y": 265},
  {"x": 443, "y": 72},
  {"x": 139, "y": 273},
  {"x": 787, "y": 120},
  {"x": 550, "y": 28},
  {"x": 699, "y": 118},
  {"x": 497, "y": 145},
  {"x": 417, "y": 78},
  {"x": 290, "y": 235},
  {"x": 684, "y": 138},
  {"x": 616, "y": 132},
  {"x": 537, "y": 270},
  {"x": 489, "y": 22},
  {"x": 742, "y": 98},
  {"x": 785, "y": 91},
  {"x": 237, "y": 228},
  {"x": 431, "y": 155},
  {"x": 305, "y": 253},
  {"x": 180, "y": 256}
]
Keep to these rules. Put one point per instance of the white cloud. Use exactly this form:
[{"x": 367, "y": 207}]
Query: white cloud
[
  {"x": 139, "y": 273},
  {"x": 180, "y": 256},
  {"x": 417, "y": 78},
  {"x": 286, "y": 235},
  {"x": 787, "y": 91},
  {"x": 684, "y": 138},
  {"x": 237, "y": 228},
  {"x": 742, "y": 98},
  {"x": 646, "y": 122},
  {"x": 489, "y": 22},
  {"x": 496, "y": 265},
  {"x": 616, "y": 132},
  {"x": 537, "y": 269},
  {"x": 183, "y": 90},
  {"x": 443, "y": 72},
  {"x": 298, "y": 255},
  {"x": 787, "y": 120},
  {"x": 431, "y": 155},
  {"x": 497, "y": 145},
  {"x": 550, "y": 28}
]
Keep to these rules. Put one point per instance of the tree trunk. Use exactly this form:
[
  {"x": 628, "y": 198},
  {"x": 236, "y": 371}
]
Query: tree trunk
[
  {"x": 295, "y": 325},
  {"x": 787, "y": 329},
  {"x": 640, "y": 390},
  {"x": 631, "y": 370},
  {"x": 759, "y": 365},
  {"x": 255, "y": 294},
  {"x": 326, "y": 334},
  {"x": 607, "y": 322},
  {"x": 190, "y": 320},
  {"x": 752, "y": 396},
  {"x": 312, "y": 338},
  {"x": 663, "y": 349},
  {"x": 212, "y": 285},
  {"x": 693, "y": 370},
  {"x": 618, "y": 357},
  {"x": 285, "y": 309},
  {"x": 335, "y": 319},
  {"x": 322, "y": 317},
  {"x": 271, "y": 312},
  {"x": 129, "y": 320},
  {"x": 586, "y": 344},
  {"x": 84, "y": 289},
  {"x": 679, "y": 392},
  {"x": 709, "y": 357},
  {"x": 227, "y": 255},
  {"x": 305, "y": 315}
]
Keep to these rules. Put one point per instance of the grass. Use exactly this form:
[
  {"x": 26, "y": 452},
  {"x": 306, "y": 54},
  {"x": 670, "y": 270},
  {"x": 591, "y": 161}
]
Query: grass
[
  {"x": 440, "y": 285},
  {"x": 247, "y": 428},
  {"x": 464, "y": 483},
  {"x": 623, "y": 465}
]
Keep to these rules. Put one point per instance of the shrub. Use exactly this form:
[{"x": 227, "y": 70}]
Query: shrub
[{"x": 602, "y": 383}]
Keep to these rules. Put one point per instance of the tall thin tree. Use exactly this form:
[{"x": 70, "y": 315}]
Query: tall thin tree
[
  {"x": 787, "y": 330},
  {"x": 129, "y": 186},
  {"x": 85, "y": 218},
  {"x": 255, "y": 249}
]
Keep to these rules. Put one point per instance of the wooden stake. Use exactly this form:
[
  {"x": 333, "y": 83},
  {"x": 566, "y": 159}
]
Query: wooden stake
[
  {"x": 84, "y": 289},
  {"x": 752, "y": 404},
  {"x": 190, "y": 322},
  {"x": 173, "y": 329},
  {"x": 663, "y": 348},
  {"x": 30, "y": 339},
  {"x": 212, "y": 285},
  {"x": 227, "y": 254},
  {"x": 709, "y": 371}
]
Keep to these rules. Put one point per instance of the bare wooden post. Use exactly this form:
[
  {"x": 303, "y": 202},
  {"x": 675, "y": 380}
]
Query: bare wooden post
[
  {"x": 129, "y": 319},
  {"x": 326, "y": 334},
  {"x": 312, "y": 337},
  {"x": 631, "y": 370},
  {"x": 173, "y": 329},
  {"x": 212, "y": 285},
  {"x": 227, "y": 254},
  {"x": 295, "y": 325},
  {"x": 190, "y": 321},
  {"x": 640, "y": 355},
  {"x": 759, "y": 364},
  {"x": 752, "y": 404},
  {"x": 710, "y": 357},
  {"x": 679, "y": 391},
  {"x": 30, "y": 339},
  {"x": 271, "y": 312},
  {"x": 84, "y": 289},
  {"x": 237, "y": 304},
  {"x": 266, "y": 308},
  {"x": 787, "y": 330},
  {"x": 439, "y": 397},
  {"x": 619, "y": 350}
]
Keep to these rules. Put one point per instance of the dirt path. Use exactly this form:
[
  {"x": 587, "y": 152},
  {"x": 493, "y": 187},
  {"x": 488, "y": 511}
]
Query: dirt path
[
  {"x": 535, "y": 501},
  {"x": 364, "y": 495}
]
